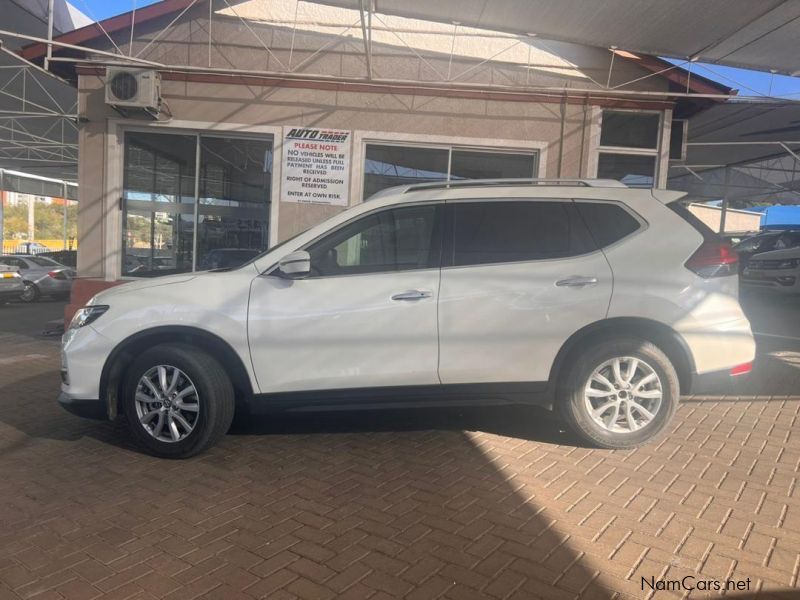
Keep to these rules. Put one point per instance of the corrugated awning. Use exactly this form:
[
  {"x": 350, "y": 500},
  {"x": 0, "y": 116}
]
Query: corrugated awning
[{"x": 760, "y": 34}]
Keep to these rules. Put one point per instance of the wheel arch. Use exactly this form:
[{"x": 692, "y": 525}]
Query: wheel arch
[
  {"x": 663, "y": 336},
  {"x": 111, "y": 376}
]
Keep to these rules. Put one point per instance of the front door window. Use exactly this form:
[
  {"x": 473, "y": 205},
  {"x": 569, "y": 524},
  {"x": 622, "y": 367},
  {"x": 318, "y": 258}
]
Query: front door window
[{"x": 399, "y": 239}]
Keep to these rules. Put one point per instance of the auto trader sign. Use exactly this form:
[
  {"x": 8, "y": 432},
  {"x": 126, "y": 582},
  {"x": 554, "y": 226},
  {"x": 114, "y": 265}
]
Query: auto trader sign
[{"x": 316, "y": 166}]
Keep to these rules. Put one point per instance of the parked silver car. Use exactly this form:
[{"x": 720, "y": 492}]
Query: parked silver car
[
  {"x": 41, "y": 276},
  {"x": 11, "y": 286}
]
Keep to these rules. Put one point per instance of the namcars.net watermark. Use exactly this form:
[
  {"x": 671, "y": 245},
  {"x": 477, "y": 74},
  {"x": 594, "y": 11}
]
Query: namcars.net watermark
[{"x": 691, "y": 582}]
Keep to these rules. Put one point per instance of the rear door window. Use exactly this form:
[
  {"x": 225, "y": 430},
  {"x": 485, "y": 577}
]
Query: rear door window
[{"x": 513, "y": 231}]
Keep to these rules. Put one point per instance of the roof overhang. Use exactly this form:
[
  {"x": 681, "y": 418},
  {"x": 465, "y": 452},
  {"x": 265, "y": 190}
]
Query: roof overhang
[{"x": 756, "y": 35}]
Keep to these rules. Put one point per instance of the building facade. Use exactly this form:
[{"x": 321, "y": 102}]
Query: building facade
[{"x": 277, "y": 115}]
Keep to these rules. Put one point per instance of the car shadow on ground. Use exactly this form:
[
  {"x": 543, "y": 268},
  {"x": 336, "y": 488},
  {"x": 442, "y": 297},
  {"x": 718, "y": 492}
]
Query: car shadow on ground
[
  {"x": 418, "y": 500},
  {"x": 523, "y": 422}
]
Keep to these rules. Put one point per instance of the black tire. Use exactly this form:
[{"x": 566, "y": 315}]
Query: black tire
[
  {"x": 31, "y": 293},
  {"x": 215, "y": 397},
  {"x": 572, "y": 406}
]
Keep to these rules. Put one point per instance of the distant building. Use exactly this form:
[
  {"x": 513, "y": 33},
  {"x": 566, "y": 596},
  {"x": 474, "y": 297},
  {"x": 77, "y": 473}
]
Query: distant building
[{"x": 736, "y": 221}]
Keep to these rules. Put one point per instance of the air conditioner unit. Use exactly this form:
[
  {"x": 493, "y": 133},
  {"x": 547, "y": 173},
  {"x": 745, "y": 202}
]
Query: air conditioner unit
[{"x": 133, "y": 89}]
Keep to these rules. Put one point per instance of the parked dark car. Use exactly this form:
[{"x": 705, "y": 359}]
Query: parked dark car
[{"x": 766, "y": 242}]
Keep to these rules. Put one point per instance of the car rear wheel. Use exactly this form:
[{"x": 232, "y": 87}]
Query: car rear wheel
[
  {"x": 619, "y": 393},
  {"x": 178, "y": 401},
  {"x": 30, "y": 293}
]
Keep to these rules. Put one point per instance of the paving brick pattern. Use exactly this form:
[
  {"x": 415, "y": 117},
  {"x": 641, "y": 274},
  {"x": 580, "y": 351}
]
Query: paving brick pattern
[{"x": 420, "y": 504}]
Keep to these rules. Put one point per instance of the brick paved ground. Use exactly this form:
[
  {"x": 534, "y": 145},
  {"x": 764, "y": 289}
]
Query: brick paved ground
[{"x": 427, "y": 504}]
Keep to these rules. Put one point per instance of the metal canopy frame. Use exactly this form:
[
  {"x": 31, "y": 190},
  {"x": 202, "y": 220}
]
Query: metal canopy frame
[{"x": 38, "y": 128}]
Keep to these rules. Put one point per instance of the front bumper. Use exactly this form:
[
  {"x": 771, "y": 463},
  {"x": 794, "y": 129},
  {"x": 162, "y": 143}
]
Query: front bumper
[
  {"x": 88, "y": 409},
  {"x": 787, "y": 281}
]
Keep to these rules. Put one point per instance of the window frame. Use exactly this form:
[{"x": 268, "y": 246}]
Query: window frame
[
  {"x": 448, "y": 247},
  {"x": 437, "y": 234},
  {"x": 655, "y": 153}
]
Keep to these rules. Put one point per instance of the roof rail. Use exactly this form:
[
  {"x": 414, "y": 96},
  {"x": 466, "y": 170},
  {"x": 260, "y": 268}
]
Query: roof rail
[{"x": 603, "y": 183}]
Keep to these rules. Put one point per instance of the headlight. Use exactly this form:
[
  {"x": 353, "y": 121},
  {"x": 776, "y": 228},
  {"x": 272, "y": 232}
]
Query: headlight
[{"x": 86, "y": 315}]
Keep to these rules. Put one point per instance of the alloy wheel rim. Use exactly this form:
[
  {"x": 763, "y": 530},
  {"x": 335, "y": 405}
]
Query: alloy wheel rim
[
  {"x": 28, "y": 293},
  {"x": 623, "y": 394},
  {"x": 167, "y": 403}
]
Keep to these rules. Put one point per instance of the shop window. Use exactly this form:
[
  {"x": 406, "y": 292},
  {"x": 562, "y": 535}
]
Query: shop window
[
  {"x": 474, "y": 164},
  {"x": 162, "y": 223},
  {"x": 158, "y": 197},
  {"x": 629, "y": 147},
  {"x": 387, "y": 165},
  {"x": 630, "y": 169},
  {"x": 233, "y": 215},
  {"x": 630, "y": 129}
]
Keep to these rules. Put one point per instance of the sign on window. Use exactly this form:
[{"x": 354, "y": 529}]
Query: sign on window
[{"x": 316, "y": 166}]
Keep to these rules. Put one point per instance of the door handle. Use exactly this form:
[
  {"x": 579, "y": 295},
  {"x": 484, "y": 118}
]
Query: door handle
[
  {"x": 576, "y": 281},
  {"x": 413, "y": 295}
]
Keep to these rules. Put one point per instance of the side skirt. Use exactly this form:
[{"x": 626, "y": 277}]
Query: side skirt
[{"x": 418, "y": 396}]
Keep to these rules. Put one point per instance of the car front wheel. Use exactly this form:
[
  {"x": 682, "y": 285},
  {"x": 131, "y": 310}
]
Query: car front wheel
[
  {"x": 620, "y": 393},
  {"x": 178, "y": 401}
]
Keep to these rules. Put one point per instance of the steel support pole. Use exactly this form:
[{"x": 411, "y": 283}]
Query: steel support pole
[
  {"x": 49, "y": 35},
  {"x": 724, "y": 212},
  {"x": 64, "y": 198},
  {"x": 196, "y": 201}
]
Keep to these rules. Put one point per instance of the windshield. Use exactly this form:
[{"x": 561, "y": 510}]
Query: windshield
[{"x": 755, "y": 243}]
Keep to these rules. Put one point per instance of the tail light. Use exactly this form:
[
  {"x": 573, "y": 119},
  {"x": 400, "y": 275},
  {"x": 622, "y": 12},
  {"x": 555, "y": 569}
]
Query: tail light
[
  {"x": 714, "y": 258},
  {"x": 57, "y": 274}
]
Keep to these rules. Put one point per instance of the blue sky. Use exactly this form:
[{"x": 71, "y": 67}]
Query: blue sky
[{"x": 749, "y": 83}]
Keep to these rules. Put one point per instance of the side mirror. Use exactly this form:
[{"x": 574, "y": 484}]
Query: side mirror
[{"x": 295, "y": 265}]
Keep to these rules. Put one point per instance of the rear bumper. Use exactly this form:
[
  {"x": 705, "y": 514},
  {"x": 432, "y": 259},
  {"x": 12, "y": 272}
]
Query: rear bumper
[
  {"x": 48, "y": 285},
  {"x": 715, "y": 383},
  {"x": 88, "y": 409}
]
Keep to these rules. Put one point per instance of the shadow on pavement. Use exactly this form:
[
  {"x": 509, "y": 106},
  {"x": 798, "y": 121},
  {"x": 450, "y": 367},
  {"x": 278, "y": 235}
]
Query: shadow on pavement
[{"x": 400, "y": 498}]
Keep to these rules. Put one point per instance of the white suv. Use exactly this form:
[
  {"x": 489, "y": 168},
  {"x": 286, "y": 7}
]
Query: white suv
[{"x": 598, "y": 300}]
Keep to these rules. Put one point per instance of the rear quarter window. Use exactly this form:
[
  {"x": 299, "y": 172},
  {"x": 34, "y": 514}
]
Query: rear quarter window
[
  {"x": 704, "y": 230},
  {"x": 607, "y": 223}
]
